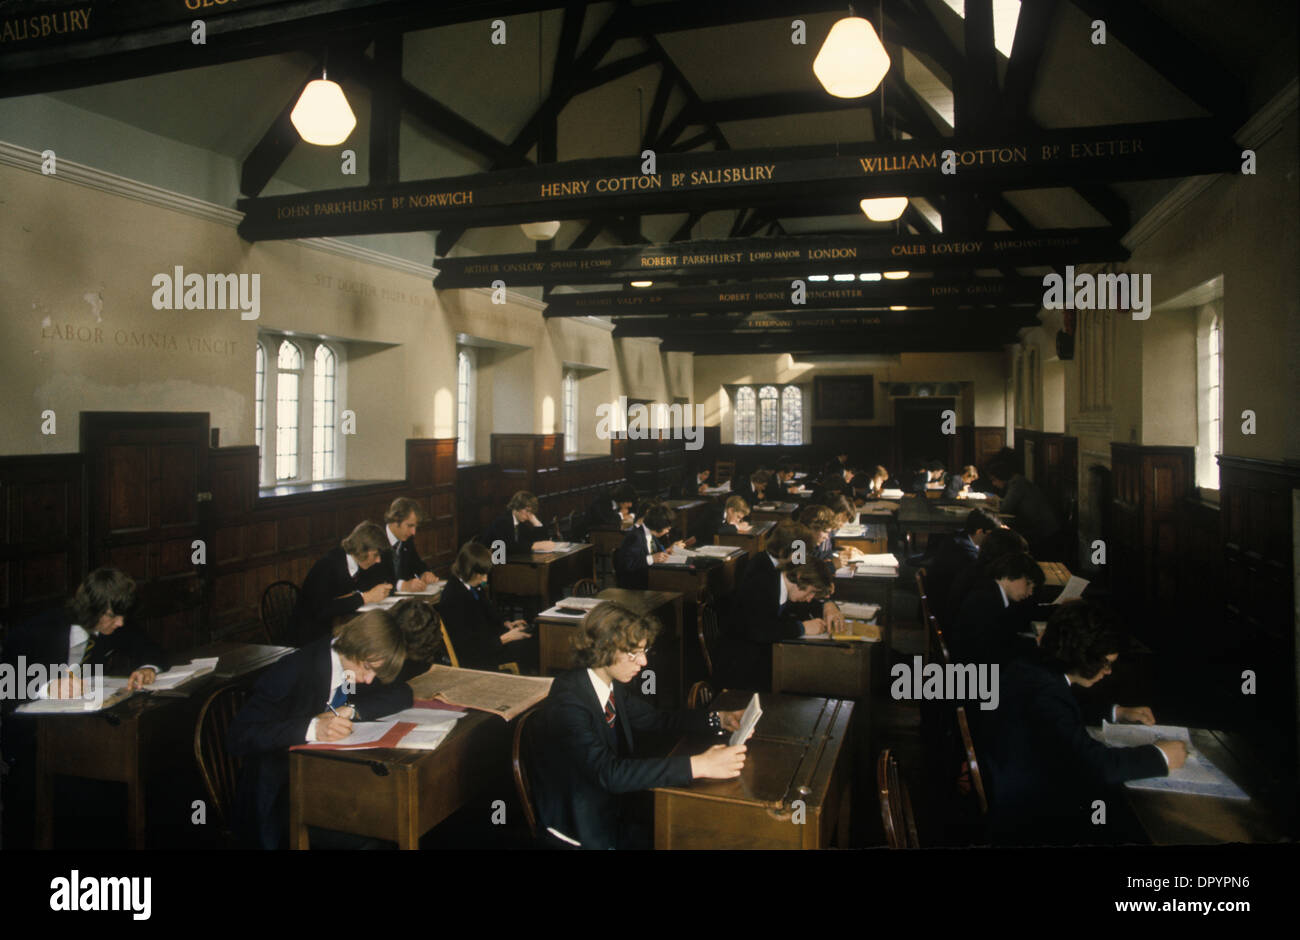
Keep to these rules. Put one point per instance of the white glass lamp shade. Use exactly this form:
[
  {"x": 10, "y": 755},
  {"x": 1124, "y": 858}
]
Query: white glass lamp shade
[
  {"x": 885, "y": 208},
  {"x": 540, "y": 231},
  {"x": 322, "y": 115},
  {"x": 852, "y": 60}
]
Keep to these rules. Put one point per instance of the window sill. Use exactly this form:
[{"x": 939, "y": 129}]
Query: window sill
[{"x": 324, "y": 486}]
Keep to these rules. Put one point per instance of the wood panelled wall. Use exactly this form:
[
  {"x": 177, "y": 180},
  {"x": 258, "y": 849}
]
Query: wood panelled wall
[
  {"x": 1150, "y": 488},
  {"x": 43, "y": 555},
  {"x": 1259, "y": 623},
  {"x": 1055, "y": 471},
  {"x": 536, "y": 463},
  {"x": 254, "y": 541}
]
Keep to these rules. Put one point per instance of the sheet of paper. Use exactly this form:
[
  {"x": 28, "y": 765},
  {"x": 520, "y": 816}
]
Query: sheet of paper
[
  {"x": 719, "y": 551},
  {"x": 583, "y": 604},
  {"x": 858, "y": 611},
  {"x": 1073, "y": 589},
  {"x": 179, "y": 674},
  {"x": 850, "y": 531},
  {"x": 385, "y": 604},
  {"x": 891, "y": 494},
  {"x": 974, "y": 494},
  {"x": 114, "y": 691},
  {"x": 881, "y": 560},
  {"x": 430, "y": 590},
  {"x": 363, "y": 733},
  {"x": 753, "y": 712},
  {"x": 1198, "y": 775},
  {"x": 560, "y": 613}
]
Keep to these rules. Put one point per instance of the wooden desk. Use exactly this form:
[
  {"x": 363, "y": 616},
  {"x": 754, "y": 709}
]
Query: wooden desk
[
  {"x": 1188, "y": 819},
  {"x": 543, "y": 575},
  {"x": 146, "y": 735},
  {"x": 689, "y": 511},
  {"x": 394, "y": 794},
  {"x": 694, "y": 583},
  {"x": 555, "y": 654},
  {"x": 836, "y": 668},
  {"x": 798, "y": 753},
  {"x": 872, "y": 589},
  {"x": 780, "y": 512},
  {"x": 753, "y": 541}
]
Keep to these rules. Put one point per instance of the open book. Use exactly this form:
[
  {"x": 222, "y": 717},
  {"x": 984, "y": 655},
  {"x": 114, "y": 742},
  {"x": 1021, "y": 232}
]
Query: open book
[
  {"x": 180, "y": 674},
  {"x": 499, "y": 693},
  {"x": 753, "y": 712},
  {"x": 579, "y": 604},
  {"x": 1198, "y": 775}
]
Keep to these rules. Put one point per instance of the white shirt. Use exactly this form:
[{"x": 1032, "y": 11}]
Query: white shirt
[
  {"x": 603, "y": 689},
  {"x": 785, "y": 593},
  {"x": 1005, "y": 602},
  {"x": 353, "y": 567},
  {"x": 649, "y": 545},
  {"x": 336, "y": 680},
  {"x": 78, "y": 637}
]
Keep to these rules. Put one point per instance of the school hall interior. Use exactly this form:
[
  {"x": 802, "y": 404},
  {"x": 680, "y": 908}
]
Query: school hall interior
[{"x": 1035, "y": 257}]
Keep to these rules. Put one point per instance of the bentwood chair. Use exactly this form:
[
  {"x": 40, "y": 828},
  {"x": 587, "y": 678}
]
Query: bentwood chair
[
  {"x": 218, "y": 770},
  {"x": 895, "y": 804},
  {"x": 278, "y": 602}
]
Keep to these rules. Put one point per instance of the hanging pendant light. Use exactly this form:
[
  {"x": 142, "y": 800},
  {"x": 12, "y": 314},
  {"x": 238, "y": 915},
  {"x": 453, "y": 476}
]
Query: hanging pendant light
[
  {"x": 884, "y": 208},
  {"x": 852, "y": 60},
  {"x": 322, "y": 115}
]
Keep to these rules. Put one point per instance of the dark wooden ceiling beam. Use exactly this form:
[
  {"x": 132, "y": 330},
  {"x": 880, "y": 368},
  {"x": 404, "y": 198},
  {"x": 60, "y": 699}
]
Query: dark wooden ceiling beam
[
  {"x": 385, "y": 110},
  {"x": 1032, "y": 31},
  {"x": 1194, "y": 71}
]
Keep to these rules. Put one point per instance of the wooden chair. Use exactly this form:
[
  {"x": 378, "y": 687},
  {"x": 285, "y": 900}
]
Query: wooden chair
[
  {"x": 451, "y": 653},
  {"x": 523, "y": 786},
  {"x": 709, "y": 632},
  {"x": 278, "y": 602},
  {"x": 895, "y": 804},
  {"x": 700, "y": 695},
  {"x": 219, "y": 771},
  {"x": 971, "y": 767},
  {"x": 723, "y": 470},
  {"x": 587, "y": 587}
]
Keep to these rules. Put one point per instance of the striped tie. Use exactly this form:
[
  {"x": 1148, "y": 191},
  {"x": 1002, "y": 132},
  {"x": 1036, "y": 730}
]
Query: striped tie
[
  {"x": 609, "y": 711},
  {"x": 90, "y": 645}
]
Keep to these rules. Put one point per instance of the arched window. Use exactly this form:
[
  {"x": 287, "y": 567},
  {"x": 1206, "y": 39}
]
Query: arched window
[
  {"x": 259, "y": 399},
  {"x": 745, "y": 415},
  {"x": 791, "y": 415},
  {"x": 769, "y": 415},
  {"x": 570, "y": 401},
  {"x": 288, "y": 379},
  {"x": 465, "y": 406},
  {"x": 323, "y": 415}
]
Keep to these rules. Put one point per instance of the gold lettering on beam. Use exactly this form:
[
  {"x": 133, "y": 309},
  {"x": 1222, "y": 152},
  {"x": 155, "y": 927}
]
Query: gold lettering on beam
[{"x": 64, "y": 22}]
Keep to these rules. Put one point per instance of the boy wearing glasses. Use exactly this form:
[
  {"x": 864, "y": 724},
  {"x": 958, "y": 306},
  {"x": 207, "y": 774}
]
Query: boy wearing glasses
[{"x": 584, "y": 755}]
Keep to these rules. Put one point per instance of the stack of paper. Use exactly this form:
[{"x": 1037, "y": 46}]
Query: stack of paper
[
  {"x": 972, "y": 494},
  {"x": 114, "y": 691},
  {"x": 1198, "y": 775},
  {"x": 432, "y": 725},
  {"x": 850, "y": 531},
  {"x": 858, "y": 611},
  {"x": 579, "y": 604},
  {"x": 562, "y": 613},
  {"x": 365, "y": 735},
  {"x": 499, "y": 693},
  {"x": 179, "y": 674},
  {"x": 718, "y": 551},
  {"x": 430, "y": 590},
  {"x": 891, "y": 494},
  {"x": 718, "y": 490}
]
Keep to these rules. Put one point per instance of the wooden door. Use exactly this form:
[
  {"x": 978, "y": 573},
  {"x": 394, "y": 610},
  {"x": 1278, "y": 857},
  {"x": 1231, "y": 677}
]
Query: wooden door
[
  {"x": 146, "y": 476},
  {"x": 919, "y": 426}
]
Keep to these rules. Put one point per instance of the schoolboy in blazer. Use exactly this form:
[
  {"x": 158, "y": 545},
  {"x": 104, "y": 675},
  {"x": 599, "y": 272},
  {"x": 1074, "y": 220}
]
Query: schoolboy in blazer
[
  {"x": 584, "y": 753},
  {"x": 730, "y": 521},
  {"x": 480, "y": 637},
  {"x": 340, "y": 583},
  {"x": 400, "y": 561},
  {"x": 642, "y": 547},
  {"x": 991, "y": 618},
  {"x": 1043, "y": 768},
  {"x": 519, "y": 528},
  {"x": 313, "y": 694}
]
